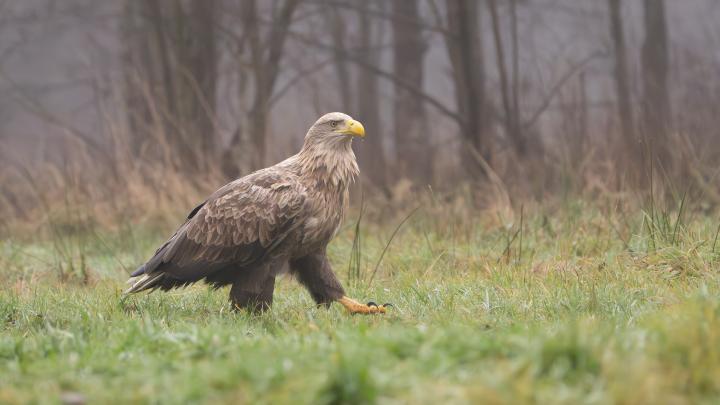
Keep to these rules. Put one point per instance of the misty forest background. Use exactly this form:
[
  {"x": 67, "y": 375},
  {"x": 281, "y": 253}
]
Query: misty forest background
[
  {"x": 138, "y": 108},
  {"x": 538, "y": 198}
]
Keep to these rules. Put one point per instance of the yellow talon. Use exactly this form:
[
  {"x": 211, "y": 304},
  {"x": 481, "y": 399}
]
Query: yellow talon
[{"x": 357, "y": 308}]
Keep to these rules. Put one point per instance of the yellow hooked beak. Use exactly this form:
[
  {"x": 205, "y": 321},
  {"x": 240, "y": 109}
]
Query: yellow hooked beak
[{"x": 354, "y": 128}]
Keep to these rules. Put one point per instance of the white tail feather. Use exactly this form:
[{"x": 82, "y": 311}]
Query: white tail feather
[{"x": 142, "y": 282}]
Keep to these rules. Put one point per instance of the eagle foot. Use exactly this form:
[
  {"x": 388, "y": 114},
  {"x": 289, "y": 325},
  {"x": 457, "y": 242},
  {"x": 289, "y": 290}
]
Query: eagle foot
[{"x": 355, "y": 307}]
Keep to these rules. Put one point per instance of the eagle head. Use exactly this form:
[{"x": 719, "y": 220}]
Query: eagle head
[
  {"x": 334, "y": 129},
  {"x": 327, "y": 152}
]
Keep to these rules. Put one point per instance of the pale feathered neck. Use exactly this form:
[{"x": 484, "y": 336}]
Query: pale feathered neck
[{"x": 330, "y": 163}]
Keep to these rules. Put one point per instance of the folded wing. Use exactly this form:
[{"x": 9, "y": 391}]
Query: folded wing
[{"x": 239, "y": 225}]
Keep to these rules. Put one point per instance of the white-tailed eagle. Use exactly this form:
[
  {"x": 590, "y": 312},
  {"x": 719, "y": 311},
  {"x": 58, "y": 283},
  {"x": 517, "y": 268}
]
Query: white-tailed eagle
[{"x": 247, "y": 231}]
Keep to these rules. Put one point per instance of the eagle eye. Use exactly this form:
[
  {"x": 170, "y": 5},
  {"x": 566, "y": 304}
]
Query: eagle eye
[{"x": 334, "y": 123}]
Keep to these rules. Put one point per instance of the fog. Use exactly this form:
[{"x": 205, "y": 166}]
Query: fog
[{"x": 84, "y": 72}]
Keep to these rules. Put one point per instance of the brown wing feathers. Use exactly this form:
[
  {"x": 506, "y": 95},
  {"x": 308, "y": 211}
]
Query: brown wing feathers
[{"x": 238, "y": 225}]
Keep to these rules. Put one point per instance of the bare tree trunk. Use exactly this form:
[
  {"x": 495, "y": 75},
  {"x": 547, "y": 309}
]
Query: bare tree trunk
[
  {"x": 515, "y": 83},
  {"x": 633, "y": 143},
  {"x": 265, "y": 56},
  {"x": 136, "y": 59},
  {"x": 338, "y": 31},
  {"x": 410, "y": 118},
  {"x": 577, "y": 116},
  {"x": 171, "y": 76},
  {"x": 583, "y": 115},
  {"x": 370, "y": 149},
  {"x": 655, "y": 66},
  {"x": 257, "y": 118},
  {"x": 203, "y": 57},
  {"x": 464, "y": 45},
  {"x": 509, "y": 95}
]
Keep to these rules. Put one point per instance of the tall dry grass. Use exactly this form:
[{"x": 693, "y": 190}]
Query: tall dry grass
[
  {"x": 84, "y": 189},
  {"x": 115, "y": 181}
]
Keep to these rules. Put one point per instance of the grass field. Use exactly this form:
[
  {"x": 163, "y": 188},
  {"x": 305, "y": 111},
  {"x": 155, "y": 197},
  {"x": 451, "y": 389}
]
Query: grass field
[{"x": 570, "y": 305}]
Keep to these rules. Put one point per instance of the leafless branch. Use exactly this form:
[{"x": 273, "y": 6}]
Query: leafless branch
[
  {"x": 434, "y": 102},
  {"x": 574, "y": 69}
]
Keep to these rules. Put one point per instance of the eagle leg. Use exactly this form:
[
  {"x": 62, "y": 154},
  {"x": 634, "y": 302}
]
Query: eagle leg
[
  {"x": 314, "y": 272},
  {"x": 357, "y": 308},
  {"x": 254, "y": 298}
]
